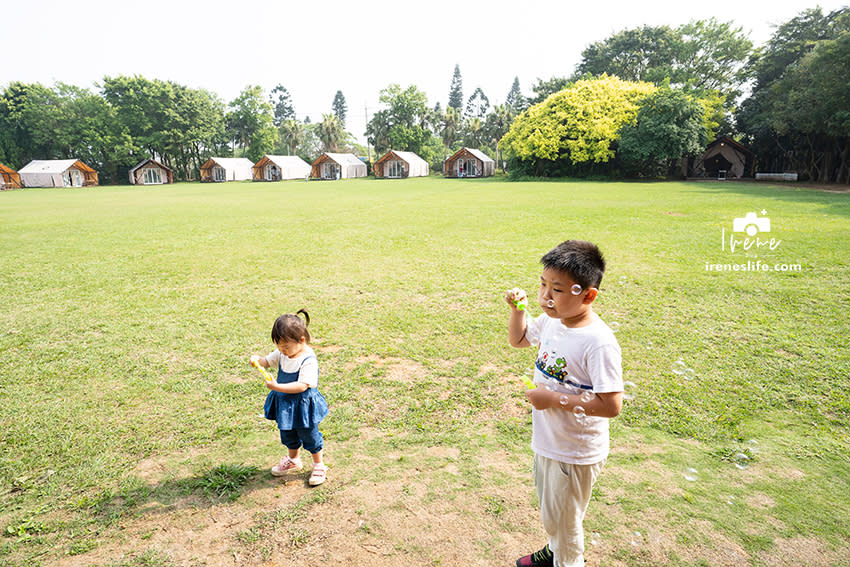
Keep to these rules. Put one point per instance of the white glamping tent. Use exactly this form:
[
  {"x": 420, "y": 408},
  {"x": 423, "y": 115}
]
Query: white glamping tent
[
  {"x": 227, "y": 169},
  {"x": 276, "y": 168},
  {"x": 57, "y": 173}
]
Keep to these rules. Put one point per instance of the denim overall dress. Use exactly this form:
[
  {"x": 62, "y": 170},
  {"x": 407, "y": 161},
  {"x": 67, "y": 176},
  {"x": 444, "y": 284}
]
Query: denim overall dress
[{"x": 295, "y": 411}]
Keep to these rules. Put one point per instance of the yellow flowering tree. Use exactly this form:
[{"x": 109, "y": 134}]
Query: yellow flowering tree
[{"x": 577, "y": 125}]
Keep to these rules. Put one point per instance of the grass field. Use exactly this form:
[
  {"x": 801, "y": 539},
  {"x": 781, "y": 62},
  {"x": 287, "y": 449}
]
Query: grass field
[{"x": 130, "y": 424}]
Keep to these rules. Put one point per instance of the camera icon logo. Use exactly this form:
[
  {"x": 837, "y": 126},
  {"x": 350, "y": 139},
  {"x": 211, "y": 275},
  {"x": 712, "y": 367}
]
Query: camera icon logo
[{"x": 751, "y": 224}]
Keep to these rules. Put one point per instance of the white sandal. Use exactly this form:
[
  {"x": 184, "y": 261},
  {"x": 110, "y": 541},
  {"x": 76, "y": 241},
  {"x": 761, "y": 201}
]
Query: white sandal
[{"x": 318, "y": 475}]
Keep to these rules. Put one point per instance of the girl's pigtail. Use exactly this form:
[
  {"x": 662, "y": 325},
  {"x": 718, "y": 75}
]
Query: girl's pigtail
[{"x": 306, "y": 316}]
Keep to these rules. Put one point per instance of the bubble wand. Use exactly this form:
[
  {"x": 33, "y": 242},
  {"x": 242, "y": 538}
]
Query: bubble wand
[
  {"x": 266, "y": 376},
  {"x": 529, "y": 383}
]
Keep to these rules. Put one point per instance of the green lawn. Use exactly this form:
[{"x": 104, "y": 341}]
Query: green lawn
[{"x": 129, "y": 315}]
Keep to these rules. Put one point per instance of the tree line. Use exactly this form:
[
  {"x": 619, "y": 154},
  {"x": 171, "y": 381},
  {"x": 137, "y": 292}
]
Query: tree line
[{"x": 638, "y": 103}]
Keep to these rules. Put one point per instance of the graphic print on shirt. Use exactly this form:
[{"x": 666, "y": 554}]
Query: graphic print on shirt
[{"x": 552, "y": 366}]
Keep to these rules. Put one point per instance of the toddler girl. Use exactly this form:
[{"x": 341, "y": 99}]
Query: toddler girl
[{"x": 294, "y": 401}]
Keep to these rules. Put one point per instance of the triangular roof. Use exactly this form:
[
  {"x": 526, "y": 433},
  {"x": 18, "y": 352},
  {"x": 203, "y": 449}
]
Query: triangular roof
[
  {"x": 409, "y": 157},
  {"x": 53, "y": 166},
  {"x": 151, "y": 161},
  {"x": 229, "y": 162},
  {"x": 6, "y": 169},
  {"x": 284, "y": 161},
  {"x": 478, "y": 154},
  {"x": 343, "y": 159},
  {"x": 730, "y": 142}
]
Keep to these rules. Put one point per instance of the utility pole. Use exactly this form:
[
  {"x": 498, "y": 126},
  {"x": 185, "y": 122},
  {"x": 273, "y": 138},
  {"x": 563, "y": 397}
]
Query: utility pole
[{"x": 368, "y": 147}]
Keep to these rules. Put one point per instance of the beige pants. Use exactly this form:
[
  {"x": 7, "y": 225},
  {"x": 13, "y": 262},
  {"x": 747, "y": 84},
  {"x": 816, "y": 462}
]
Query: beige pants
[{"x": 564, "y": 492}]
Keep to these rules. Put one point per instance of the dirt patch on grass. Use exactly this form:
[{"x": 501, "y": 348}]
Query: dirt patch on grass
[{"x": 799, "y": 551}]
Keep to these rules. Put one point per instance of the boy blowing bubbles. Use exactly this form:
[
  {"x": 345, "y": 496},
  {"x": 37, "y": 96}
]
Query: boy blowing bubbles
[{"x": 579, "y": 360}]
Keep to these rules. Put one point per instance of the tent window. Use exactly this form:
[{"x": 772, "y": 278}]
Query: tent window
[
  {"x": 219, "y": 174},
  {"x": 330, "y": 170},
  {"x": 395, "y": 168},
  {"x": 72, "y": 178},
  {"x": 467, "y": 167},
  {"x": 272, "y": 173},
  {"x": 152, "y": 176}
]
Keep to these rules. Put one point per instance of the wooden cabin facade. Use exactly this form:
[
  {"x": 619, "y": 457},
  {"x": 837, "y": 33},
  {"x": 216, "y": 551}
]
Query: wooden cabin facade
[
  {"x": 9, "y": 178},
  {"x": 151, "y": 172},
  {"x": 398, "y": 165},
  {"x": 278, "y": 168},
  {"x": 330, "y": 166},
  {"x": 219, "y": 170},
  {"x": 57, "y": 173},
  {"x": 724, "y": 158},
  {"x": 468, "y": 162}
]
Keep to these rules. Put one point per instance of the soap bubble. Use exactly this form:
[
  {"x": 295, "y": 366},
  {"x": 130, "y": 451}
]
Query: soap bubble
[
  {"x": 579, "y": 412},
  {"x": 683, "y": 370},
  {"x": 691, "y": 474},
  {"x": 741, "y": 460},
  {"x": 636, "y": 538},
  {"x": 586, "y": 396},
  {"x": 595, "y": 538},
  {"x": 752, "y": 446},
  {"x": 550, "y": 304},
  {"x": 623, "y": 279},
  {"x": 614, "y": 326},
  {"x": 576, "y": 289},
  {"x": 565, "y": 400},
  {"x": 629, "y": 389}
]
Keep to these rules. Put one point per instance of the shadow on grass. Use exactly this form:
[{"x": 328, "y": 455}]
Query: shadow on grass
[
  {"x": 833, "y": 198},
  {"x": 219, "y": 485}
]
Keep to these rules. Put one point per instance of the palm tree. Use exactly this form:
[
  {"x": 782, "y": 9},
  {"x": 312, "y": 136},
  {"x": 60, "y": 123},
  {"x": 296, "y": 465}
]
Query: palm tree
[
  {"x": 330, "y": 132},
  {"x": 292, "y": 134},
  {"x": 474, "y": 128},
  {"x": 451, "y": 125}
]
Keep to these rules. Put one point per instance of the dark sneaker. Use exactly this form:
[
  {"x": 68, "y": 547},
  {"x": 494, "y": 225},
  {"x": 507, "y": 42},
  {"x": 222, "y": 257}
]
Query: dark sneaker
[{"x": 540, "y": 558}]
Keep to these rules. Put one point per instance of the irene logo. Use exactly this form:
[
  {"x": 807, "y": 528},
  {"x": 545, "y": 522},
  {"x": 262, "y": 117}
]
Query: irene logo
[
  {"x": 749, "y": 234},
  {"x": 750, "y": 224}
]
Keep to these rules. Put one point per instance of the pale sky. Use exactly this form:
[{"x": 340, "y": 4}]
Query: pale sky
[{"x": 359, "y": 47}]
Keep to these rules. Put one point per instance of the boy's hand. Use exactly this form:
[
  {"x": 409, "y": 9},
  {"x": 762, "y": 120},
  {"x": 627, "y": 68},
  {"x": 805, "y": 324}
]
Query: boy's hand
[
  {"x": 516, "y": 298},
  {"x": 541, "y": 398}
]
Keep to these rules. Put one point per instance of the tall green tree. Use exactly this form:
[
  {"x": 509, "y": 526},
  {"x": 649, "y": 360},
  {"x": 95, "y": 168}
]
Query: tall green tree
[
  {"x": 456, "y": 90},
  {"x": 542, "y": 89},
  {"x": 793, "y": 119},
  {"x": 282, "y": 102},
  {"x": 496, "y": 125},
  {"x": 477, "y": 105},
  {"x": 702, "y": 55},
  {"x": 339, "y": 107},
  {"x": 515, "y": 100},
  {"x": 669, "y": 126},
  {"x": 26, "y": 125},
  {"x": 647, "y": 53},
  {"x": 250, "y": 123},
  {"x": 403, "y": 122}
]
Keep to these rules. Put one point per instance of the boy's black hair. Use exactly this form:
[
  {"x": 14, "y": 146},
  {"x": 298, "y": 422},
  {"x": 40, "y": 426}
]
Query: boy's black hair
[
  {"x": 579, "y": 259},
  {"x": 291, "y": 327}
]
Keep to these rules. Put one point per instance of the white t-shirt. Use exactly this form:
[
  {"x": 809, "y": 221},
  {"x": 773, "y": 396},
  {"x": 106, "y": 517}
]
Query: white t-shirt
[
  {"x": 309, "y": 370},
  {"x": 573, "y": 360}
]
